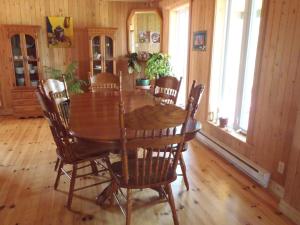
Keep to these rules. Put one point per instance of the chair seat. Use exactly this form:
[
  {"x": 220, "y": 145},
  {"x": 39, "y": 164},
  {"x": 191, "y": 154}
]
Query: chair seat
[
  {"x": 82, "y": 149},
  {"x": 140, "y": 180}
]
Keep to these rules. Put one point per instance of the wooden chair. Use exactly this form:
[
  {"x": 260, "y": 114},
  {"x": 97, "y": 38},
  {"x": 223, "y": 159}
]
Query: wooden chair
[
  {"x": 62, "y": 99},
  {"x": 166, "y": 89},
  {"x": 195, "y": 93},
  {"x": 60, "y": 94},
  {"x": 69, "y": 149},
  {"x": 104, "y": 82},
  {"x": 147, "y": 161}
]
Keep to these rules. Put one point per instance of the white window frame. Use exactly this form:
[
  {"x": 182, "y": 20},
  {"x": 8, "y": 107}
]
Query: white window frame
[{"x": 247, "y": 25}]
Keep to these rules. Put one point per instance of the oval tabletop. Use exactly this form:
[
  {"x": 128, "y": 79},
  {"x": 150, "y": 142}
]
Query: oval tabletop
[{"x": 95, "y": 116}]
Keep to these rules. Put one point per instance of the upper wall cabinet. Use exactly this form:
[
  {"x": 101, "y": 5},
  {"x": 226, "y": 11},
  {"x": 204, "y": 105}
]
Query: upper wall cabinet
[
  {"x": 102, "y": 50},
  {"x": 144, "y": 28}
]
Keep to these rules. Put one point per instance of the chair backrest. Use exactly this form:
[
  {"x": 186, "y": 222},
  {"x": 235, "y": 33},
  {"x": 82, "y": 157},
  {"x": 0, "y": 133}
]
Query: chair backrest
[
  {"x": 59, "y": 132},
  {"x": 58, "y": 88},
  {"x": 167, "y": 88},
  {"x": 60, "y": 94},
  {"x": 196, "y": 93},
  {"x": 156, "y": 140},
  {"x": 104, "y": 82}
]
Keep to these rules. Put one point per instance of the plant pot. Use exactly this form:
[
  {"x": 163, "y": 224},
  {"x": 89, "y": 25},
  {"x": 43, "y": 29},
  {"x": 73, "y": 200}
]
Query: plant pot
[
  {"x": 142, "y": 82},
  {"x": 223, "y": 122}
]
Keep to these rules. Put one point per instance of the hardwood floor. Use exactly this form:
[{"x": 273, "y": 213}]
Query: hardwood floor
[{"x": 219, "y": 194}]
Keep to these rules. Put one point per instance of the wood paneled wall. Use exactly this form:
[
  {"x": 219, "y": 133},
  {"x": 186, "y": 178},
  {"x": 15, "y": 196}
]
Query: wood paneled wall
[
  {"x": 85, "y": 13},
  {"x": 273, "y": 110},
  {"x": 273, "y": 114}
]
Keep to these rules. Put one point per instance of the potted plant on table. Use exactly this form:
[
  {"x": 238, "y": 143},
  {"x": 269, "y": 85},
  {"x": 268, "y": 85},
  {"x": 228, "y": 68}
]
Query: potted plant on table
[
  {"x": 135, "y": 67},
  {"x": 74, "y": 85},
  {"x": 158, "y": 65}
]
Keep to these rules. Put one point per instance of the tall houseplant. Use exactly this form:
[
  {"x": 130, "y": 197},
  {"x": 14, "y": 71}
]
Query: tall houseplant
[
  {"x": 73, "y": 83},
  {"x": 158, "y": 65}
]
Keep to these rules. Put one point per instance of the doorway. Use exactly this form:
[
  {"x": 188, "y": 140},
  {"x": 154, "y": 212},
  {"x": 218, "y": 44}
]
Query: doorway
[{"x": 178, "y": 47}]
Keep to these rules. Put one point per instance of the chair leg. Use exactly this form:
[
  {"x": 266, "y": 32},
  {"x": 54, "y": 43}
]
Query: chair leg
[
  {"x": 94, "y": 168},
  {"x": 56, "y": 164},
  {"x": 72, "y": 185},
  {"x": 128, "y": 207},
  {"x": 183, "y": 169},
  {"x": 172, "y": 204},
  {"x": 61, "y": 164}
]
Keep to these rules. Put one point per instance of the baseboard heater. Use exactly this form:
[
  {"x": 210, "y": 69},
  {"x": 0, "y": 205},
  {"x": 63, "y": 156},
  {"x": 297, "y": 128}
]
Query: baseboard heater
[{"x": 257, "y": 173}]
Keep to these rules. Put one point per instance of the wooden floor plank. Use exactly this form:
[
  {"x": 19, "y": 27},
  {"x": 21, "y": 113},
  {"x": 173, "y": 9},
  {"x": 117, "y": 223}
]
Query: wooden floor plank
[{"x": 219, "y": 194}]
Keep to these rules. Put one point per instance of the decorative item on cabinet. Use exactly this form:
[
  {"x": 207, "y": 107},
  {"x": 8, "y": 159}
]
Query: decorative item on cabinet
[
  {"x": 23, "y": 68},
  {"x": 102, "y": 50}
]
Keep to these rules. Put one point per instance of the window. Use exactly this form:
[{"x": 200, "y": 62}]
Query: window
[{"x": 236, "y": 32}]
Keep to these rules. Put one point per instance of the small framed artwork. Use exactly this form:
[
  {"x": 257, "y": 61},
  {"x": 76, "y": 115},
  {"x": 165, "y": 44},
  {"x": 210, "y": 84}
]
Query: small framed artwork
[
  {"x": 59, "y": 31},
  {"x": 144, "y": 37},
  {"x": 199, "y": 40},
  {"x": 155, "y": 37}
]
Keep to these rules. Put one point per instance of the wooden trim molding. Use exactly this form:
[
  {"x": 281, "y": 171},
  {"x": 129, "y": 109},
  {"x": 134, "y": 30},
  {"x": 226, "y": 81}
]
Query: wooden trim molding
[
  {"x": 289, "y": 211},
  {"x": 276, "y": 189}
]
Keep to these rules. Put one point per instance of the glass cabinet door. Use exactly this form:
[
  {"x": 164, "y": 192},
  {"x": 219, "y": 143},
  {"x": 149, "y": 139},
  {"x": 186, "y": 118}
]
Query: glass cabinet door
[
  {"x": 32, "y": 60},
  {"x": 18, "y": 59},
  {"x": 96, "y": 55},
  {"x": 109, "y": 63}
]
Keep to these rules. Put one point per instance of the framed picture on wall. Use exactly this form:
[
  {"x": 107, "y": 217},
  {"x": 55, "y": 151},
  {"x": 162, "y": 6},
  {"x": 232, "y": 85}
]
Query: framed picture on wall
[
  {"x": 59, "y": 31},
  {"x": 155, "y": 37},
  {"x": 144, "y": 37},
  {"x": 199, "y": 40}
]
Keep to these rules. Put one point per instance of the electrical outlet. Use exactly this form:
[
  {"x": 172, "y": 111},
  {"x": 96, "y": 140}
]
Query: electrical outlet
[{"x": 280, "y": 168}]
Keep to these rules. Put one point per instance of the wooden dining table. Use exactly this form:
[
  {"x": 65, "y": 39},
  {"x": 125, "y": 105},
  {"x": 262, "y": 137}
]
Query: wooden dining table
[{"x": 95, "y": 117}]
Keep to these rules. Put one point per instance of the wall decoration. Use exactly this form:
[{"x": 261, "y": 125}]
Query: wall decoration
[
  {"x": 144, "y": 37},
  {"x": 199, "y": 40},
  {"x": 155, "y": 37},
  {"x": 59, "y": 31}
]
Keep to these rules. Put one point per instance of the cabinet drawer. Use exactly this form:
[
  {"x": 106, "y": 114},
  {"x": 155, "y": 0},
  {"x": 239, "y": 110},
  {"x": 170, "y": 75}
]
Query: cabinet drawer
[
  {"x": 28, "y": 111},
  {"x": 16, "y": 94},
  {"x": 25, "y": 101}
]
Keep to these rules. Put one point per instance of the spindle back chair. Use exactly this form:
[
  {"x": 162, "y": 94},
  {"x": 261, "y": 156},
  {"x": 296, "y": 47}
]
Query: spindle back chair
[
  {"x": 167, "y": 88},
  {"x": 149, "y": 160},
  {"x": 71, "y": 150},
  {"x": 104, "y": 82}
]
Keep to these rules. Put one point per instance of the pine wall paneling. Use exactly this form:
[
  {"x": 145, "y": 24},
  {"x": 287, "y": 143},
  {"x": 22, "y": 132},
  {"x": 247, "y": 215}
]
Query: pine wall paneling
[
  {"x": 273, "y": 118},
  {"x": 273, "y": 135},
  {"x": 85, "y": 13}
]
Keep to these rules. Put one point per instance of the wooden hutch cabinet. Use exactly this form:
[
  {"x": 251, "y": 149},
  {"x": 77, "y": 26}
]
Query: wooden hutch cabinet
[
  {"x": 102, "y": 50},
  {"x": 24, "y": 68}
]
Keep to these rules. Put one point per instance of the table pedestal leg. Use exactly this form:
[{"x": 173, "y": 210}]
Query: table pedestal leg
[{"x": 107, "y": 194}]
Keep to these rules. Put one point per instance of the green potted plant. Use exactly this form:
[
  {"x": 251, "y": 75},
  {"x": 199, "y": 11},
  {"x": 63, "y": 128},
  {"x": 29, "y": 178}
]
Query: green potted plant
[
  {"x": 135, "y": 67},
  {"x": 74, "y": 84},
  {"x": 158, "y": 65}
]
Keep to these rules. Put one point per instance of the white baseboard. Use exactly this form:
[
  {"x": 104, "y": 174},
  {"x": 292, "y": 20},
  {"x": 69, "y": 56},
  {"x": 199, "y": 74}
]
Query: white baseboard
[
  {"x": 276, "y": 189},
  {"x": 289, "y": 211},
  {"x": 257, "y": 173}
]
